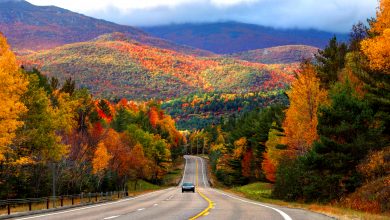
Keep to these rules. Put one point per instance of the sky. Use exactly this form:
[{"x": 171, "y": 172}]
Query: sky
[{"x": 327, "y": 15}]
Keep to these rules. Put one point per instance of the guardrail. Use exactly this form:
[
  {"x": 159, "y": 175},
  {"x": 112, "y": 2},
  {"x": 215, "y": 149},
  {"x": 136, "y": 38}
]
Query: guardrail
[{"x": 33, "y": 204}]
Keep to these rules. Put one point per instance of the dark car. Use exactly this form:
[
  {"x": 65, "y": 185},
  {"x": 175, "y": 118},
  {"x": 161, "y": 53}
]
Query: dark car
[{"x": 188, "y": 187}]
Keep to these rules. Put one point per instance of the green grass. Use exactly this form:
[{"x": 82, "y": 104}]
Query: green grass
[
  {"x": 141, "y": 186},
  {"x": 261, "y": 192},
  {"x": 257, "y": 191},
  {"x": 172, "y": 177}
]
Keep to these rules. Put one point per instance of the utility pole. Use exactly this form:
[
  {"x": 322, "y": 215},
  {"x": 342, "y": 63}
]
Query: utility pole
[
  {"x": 197, "y": 143},
  {"x": 204, "y": 144},
  {"x": 54, "y": 184},
  {"x": 190, "y": 147}
]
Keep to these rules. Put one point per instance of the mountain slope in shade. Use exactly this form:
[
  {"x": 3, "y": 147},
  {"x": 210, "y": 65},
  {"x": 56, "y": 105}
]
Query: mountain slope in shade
[
  {"x": 281, "y": 54},
  {"x": 112, "y": 66},
  {"x": 30, "y": 27},
  {"x": 233, "y": 37}
]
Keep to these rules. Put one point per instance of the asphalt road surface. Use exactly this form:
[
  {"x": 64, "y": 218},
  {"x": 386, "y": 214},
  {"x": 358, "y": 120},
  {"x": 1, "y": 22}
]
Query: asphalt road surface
[{"x": 205, "y": 203}]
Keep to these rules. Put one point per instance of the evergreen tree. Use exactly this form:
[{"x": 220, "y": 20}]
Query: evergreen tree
[
  {"x": 348, "y": 131},
  {"x": 330, "y": 61},
  {"x": 68, "y": 87}
]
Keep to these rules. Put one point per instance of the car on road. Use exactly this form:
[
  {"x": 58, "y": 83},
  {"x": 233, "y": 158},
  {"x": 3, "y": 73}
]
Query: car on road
[{"x": 188, "y": 187}]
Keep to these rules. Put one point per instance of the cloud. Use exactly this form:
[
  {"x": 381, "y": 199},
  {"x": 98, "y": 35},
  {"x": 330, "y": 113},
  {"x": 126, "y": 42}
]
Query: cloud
[{"x": 329, "y": 15}]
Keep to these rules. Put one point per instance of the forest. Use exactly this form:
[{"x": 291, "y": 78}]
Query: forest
[
  {"x": 330, "y": 144},
  {"x": 197, "y": 111},
  {"x": 320, "y": 134},
  {"x": 89, "y": 144}
]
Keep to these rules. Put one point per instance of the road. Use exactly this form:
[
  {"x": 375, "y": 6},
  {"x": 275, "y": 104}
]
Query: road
[{"x": 171, "y": 203}]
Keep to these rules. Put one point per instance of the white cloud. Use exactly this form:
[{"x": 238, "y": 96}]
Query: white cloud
[{"x": 330, "y": 15}]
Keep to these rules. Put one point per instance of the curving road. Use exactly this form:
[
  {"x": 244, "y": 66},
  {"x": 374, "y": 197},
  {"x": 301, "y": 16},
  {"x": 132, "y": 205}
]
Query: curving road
[{"x": 206, "y": 203}]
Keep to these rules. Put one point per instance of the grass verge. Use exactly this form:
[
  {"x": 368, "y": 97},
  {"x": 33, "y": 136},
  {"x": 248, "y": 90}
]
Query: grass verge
[{"x": 261, "y": 192}]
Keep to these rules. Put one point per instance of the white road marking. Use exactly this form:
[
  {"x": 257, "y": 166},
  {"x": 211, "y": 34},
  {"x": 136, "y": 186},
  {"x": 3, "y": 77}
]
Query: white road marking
[
  {"x": 140, "y": 209},
  {"x": 184, "y": 174},
  {"x": 94, "y": 206},
  {"x": 203, "y": 167},
  {"x": 155, "y": 204},
  {"x": 283, "y": 214},
  {"x": 111, "y": 217}
]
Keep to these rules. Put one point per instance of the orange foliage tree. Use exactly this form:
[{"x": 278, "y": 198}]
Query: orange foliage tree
[
  {"x": 12, "y": 86},
  {"x": 377, "y": 48},
  {"x": 100, "y": 161},
  {"x": 301, "y": 121}
]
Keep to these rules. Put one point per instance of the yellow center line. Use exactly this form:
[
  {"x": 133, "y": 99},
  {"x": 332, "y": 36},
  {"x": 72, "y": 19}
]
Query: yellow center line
[{"x": 206, "y": 210}]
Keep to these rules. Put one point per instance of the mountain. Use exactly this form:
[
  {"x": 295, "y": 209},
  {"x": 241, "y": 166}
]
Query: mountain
[
  {"x": 281, "y": 54},
  {"x": 30, "y": 27},
  {"x": 114, "y": 65},
  {"x": 233, "y": 37}
]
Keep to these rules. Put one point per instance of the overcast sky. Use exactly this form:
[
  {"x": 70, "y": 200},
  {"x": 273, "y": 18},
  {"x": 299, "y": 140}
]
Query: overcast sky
[{"x": 329, "y": 15}]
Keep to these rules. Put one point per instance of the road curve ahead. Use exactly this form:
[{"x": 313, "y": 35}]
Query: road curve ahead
[{"x": 206, "y": 203}]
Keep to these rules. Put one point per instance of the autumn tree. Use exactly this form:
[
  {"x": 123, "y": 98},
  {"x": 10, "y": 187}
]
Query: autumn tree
[
  {"x": 348, "y": 131},
  {"x": 12, "y": 87},
  {"x": 100, "y": 161},
  {"x": 301, "y": 121},
  {"x": 39, "y": 137},
  {"x": 273, "y": 153},
  {"x": 377, "y": 48},
  {"x": 140, "y": 165}
]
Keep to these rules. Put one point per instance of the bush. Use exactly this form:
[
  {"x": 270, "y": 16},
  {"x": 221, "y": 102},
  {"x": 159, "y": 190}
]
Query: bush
[{"x": 288, "y": 185}]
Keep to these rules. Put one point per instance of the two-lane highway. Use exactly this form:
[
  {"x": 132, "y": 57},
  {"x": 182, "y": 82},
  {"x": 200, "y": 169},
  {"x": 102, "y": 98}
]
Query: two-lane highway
[{"x": 206, "y": 203}]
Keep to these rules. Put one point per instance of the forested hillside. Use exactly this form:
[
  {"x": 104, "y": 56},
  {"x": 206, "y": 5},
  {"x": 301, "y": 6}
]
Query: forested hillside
[
  {"x": 198, "y": 111},
  {"x": 30, "y": 27},
  {"x": 93, "y": 144},
  {"x": 114, "y": 66}
]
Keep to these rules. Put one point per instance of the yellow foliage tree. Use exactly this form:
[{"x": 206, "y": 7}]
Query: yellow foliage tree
[
  {"x": 101, "y": 159},
  {"x": 301, "y": 120},
  {"x": 377, "y": 48},
  {"x": 272, "y": 154},
  {"x": 240, "y": 147},
  {"x": 12, "y": 86}
]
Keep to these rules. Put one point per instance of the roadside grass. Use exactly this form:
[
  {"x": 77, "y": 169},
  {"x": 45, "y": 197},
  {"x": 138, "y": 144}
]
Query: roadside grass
[
  {"x": 173, "y": 177},
  {"x": 24, "y": 207},
  {"x": 140, "y": 186},
  {"x": 261, "y": 192}
]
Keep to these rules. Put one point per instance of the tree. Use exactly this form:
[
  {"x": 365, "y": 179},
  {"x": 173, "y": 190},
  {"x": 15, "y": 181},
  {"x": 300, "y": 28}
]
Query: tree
[
  {"x": 377, "y": 48},
  {"x": 273, "y": 153},
  {"x": 12, "y": 87},
  {"x": 39, "y": 137},
  {"x": 300, "y": 124},
  {"x": 330, "y": 61},
  {"x": 140, "y": 166},
  {"x": 68, "y": 87},
  {"x": 358, "y": 34},
  {"x": 348, "y": 131},
  {"x": 100, "y": 161}
]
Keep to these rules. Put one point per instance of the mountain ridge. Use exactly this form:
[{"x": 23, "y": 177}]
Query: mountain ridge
[
  {"x": 111, "y": 66},
  {"x": 30, "y": 27},
  {"x": 233, "y": 37},
  {"x": 279, "y": 54}
]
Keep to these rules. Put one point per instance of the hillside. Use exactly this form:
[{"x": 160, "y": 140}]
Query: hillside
[
  {"x": 233, "y": 37},
  {"x": 281, "y": 54},
  {"x": 114, "y": 65},
  {"x": 30, "y": 27}
]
